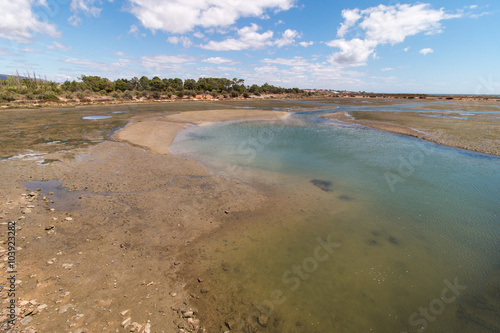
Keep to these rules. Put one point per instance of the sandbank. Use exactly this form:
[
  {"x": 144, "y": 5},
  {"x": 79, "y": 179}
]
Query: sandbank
[{"x": 158, "y": 133}]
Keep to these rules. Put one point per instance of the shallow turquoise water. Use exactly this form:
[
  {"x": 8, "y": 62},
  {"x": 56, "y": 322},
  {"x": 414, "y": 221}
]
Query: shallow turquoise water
[{"x": 409, "y": 218}]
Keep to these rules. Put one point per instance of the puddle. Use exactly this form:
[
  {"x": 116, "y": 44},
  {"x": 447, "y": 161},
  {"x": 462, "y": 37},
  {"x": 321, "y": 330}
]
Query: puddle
[
  {"x": 96, "y": 117},
  {"x": 64, "y": 199}
]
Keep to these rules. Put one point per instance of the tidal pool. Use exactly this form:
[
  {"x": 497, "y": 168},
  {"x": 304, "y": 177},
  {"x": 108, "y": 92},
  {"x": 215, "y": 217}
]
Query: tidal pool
[
  {"x": 368, "y": 231},
  {"x": 96, "y": 117}
]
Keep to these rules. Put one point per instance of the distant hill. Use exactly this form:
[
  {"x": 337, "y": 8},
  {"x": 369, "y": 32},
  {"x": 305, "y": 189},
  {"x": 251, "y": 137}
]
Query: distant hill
[{"x": 4, "y": 76}]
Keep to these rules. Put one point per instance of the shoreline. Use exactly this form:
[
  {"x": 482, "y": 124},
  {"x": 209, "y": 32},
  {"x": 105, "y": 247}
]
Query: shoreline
[{"x": 428, "y": 134}]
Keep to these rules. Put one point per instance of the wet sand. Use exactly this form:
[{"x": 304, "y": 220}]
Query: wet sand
[
  {"x": 109, "y": 258},
  {"x": 477, "y": 132},
  {"x": 158, "y": 133}
]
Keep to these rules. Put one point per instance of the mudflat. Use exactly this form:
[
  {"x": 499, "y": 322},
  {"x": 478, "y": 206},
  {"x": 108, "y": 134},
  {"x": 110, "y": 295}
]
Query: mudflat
[
  {"x": 473, "y": 131},
  {"x": 101, "y": 228}
]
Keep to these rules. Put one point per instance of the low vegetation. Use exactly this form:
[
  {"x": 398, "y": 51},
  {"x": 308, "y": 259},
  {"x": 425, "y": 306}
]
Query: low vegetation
[{"x": 30, "y": 89}]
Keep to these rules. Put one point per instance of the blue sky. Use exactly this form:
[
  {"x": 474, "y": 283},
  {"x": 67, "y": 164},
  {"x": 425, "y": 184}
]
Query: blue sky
[{"x": 447, "y": 46}]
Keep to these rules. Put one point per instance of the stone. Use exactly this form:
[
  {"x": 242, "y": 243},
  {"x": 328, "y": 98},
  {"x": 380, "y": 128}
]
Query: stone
[
  {"x": 69, "y": 218},
  {"x": 126, "y": 322},
  {"x": 147, "y": 328},
  {"x": 67, "y": 266}
]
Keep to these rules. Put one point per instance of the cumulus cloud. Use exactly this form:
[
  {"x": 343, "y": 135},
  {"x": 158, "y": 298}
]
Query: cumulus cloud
[
  {"x": 59, "y": 46},
  {"x": 288, "y": 38},
  {"x": 19, "y": 23},
  {"x": 250, "y": 39},
  {"x": 426, "y": 51},
  {"x": 186, "y": 42},
  {"x": 306, "y": 44},
  {"x": 86, "y": 7},
  {"x": 219, "y": 61},
  {"x": 354, "y": 52},
  {"x": 177, "y": 16},
  {"x": 383, "y": 25}
]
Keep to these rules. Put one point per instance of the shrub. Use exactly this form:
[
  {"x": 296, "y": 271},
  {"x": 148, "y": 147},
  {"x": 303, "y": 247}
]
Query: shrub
[
  {"x": 50, "y": 97},
  {"x": 156, "y": 94},
  {"x": 80, "y": 95},
  {"x": 115, "y": 95},
  {"x": 246, "y": 95},
  {"x": 127, "y": 95},
  {"x": 234, "y": 94},
  {"x": 7, "y": 97}
]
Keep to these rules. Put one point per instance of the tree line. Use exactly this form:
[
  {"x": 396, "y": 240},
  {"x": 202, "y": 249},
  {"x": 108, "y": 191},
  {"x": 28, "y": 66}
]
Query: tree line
[{"x": 30, "y": 88}]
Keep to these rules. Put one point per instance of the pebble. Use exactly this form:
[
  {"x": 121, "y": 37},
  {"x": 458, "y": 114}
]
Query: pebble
[
  {"x": 147, "y": 327},
  {"x": 67, "y": 266},
  {"x": 69, "y": 218},
  {"x": 125, "y": 323},
  {"x": 123, "y": 313}
]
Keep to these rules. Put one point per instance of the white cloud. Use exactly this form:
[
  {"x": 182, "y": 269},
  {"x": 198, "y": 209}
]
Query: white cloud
[
  {"x": 119, "y": 53},
  {"x": 163, "y": 61},
  {"x": 219, "y": 61},
  {"x": 288, "y": 38},
  {"x": 351, "y": 17},
  {"x": 354, "y": 52},
  {"x": 58, "y": 46},
  {"x": 28, "y": 50},
  {"x": 292, "y": 62},
  {"x": 248, "y": 38},
  {"x": 426, "y": 51},
  {"x": 473, "y": 6},
  {"x": 133, "y": 29},
  {"x": 387, "y": 69},
  {"x": 186, "y": 42},
  {"x": 84, "y": 62},
  {"x": 178, "y": 16},
  {"x": 406, "y": 49},
  {"x": 306, "y": 44},
  {"x": 198, "y": 35},
  {"x": 383, "y": 25},
  {"x": 19, "y": 23},
  {"x": 83, "y": 6}
]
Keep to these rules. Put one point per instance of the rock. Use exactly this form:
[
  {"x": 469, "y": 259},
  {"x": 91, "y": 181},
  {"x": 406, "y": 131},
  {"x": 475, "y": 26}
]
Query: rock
[
  {"x": 67, "y": 266},
  {"x": 50, "y": 227},
  {"x": 126, "y": 322},
  {"x": 200, "y": 280},
  {"x": 136, "y": 327},
  {"x": 124, "y": 312},
  {"x": 204, "y": 290},
  {"x": 173, "y": 294},
  {"x": 30, "y": 206},
  {"x": 226, "y": 212},
  {"x": 263, "y": 319},
  {"x": 187, "y": 314},
  {"x": 69, "y": 218},
  {"x": 41, "y": 307},
  {"x": 26, "y": 320},
  {"x": 176, "y": 263},
  {"x": 147, "y": 328}
]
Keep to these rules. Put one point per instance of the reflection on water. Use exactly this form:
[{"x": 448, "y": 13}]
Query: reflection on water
[{"x": 370, "y": 231}]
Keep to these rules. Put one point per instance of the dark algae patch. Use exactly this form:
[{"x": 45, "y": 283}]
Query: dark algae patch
[{"x": 324, "y": 185}]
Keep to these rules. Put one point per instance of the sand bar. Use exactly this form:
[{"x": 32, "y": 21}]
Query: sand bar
[{"x": 157, "y": 134}]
